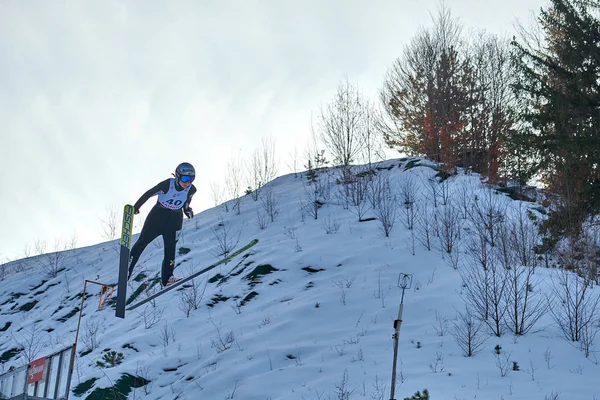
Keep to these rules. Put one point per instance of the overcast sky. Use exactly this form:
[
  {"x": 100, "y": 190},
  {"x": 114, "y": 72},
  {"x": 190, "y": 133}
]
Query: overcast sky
[{"x": 100, "y": 100}]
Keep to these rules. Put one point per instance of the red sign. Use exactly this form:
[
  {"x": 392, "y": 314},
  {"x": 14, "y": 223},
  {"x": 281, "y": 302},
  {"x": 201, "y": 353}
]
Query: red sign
[{"x": 36, "y": 370}]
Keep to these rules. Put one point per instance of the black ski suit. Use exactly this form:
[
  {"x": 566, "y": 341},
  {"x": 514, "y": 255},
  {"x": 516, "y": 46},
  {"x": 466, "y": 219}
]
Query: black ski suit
[{"x": 162, "y": 221}]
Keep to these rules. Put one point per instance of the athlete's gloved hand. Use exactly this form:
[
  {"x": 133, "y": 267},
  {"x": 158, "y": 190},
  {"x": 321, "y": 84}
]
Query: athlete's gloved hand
[{"x": 188, "y": 212}]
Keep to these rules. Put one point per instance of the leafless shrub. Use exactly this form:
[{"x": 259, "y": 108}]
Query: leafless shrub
[
  {"x": 503, "y": 363},
  {"x": 233, "y": 182},
  {"x": 52, "y": 263},
  {"x": 110, "y": 227},
  {"x": 485, "y": 293},
  {"x": 448, "y": 227},
  {"x": 340, "y": 284},
  {"x": 453, "y": 259},
  {"x": 355, "y": 194},
  {"x": 222, "y": 341},
  {"x": 524, "y": 238},
  {"x": 151, "y": 315},
  {"x": 290, "y": 231},
  {"x": 552, "y": 396},
  {"x": 573, "y": 305},
  {"x": 262, "y": 219},
  {"x": 92, "y": 329},
  {"x": 331, "y": 225},
  {"x": 438, "y": 364},
  {"x": 385, "y": 203},
  {"x": 225, "y": 238},
  {"x": 588, "y": 336},
  {"x": 324, "y": 184},
  {"x": 525, "y": 306},
  {"x": 270, "y": 204},
  {"x": 231, "y": 395},
  {"x": 408, "y": 197},
  {"x": 488, "y": 213},
  {"x": 464, "y": 199},
  {"x": 441, "y": 325},
  {"x": 469, "y": 333},
  {"x": 444, "y": 190},
  {"x": 342, "y": 391},
  {"x": 263, "y": 167},
  {"x": 425, "y": 227},
  {"x": 433, "y": 188},
  {"x": 312, "y": 203},
  {"x": 292, "y": 161},
  {"x": 32, "y": 341},
  {"x": 191, "y": 297},
  {"x": 380, "y": 389},
  {"x": 143, "y": 371},
  {"x": 167, "y": 335},
  {"x": 110, "y": 223},
  {"x": 380, "y": 293},
  {"x": 217, "y": 192}
]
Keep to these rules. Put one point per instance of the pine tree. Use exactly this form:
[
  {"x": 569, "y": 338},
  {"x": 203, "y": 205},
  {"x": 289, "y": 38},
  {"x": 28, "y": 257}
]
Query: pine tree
[{"x": 419, "y": 396}]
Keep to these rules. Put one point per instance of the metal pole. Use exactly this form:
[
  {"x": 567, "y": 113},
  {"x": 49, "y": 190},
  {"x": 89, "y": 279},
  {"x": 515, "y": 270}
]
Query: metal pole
[
  {"x": 404, "y": 282},
  {"x": 74, "y": 351}
]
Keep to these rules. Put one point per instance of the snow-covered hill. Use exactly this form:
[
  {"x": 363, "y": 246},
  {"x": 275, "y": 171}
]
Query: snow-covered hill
[{"x": 308, "y": 312}]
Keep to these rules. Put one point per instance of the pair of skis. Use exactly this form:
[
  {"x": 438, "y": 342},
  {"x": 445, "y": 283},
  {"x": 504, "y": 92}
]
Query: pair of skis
[{"x": 124, "y": 261}]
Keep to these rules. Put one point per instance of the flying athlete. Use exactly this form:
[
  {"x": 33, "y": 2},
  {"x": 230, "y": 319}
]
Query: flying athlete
[{"x": 165, "y": 218}]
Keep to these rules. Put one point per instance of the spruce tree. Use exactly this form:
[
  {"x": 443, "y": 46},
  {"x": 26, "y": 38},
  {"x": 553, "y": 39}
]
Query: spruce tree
[{"x": 558, "y": 87}]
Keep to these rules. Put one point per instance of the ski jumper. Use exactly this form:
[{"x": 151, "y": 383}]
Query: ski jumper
[{"x": 165, "y": 219}]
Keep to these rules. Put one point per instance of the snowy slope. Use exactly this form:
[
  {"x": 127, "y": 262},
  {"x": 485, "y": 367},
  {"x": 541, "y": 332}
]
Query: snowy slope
[{"x": 307, "y": 313}]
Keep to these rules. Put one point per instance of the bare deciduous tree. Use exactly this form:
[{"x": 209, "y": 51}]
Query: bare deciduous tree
[
  {"x": 110, "y": 223},
  {"x": 464, "y": 199},
  {"x": 341, "y": 124},
  {"x": 263, "y": 167},
  {"x": 488, "y": 213},
  {"x": 218, "y": 193},
  {"x": 233, "y": 182},
  {"x": 525, "y": 237},
  {"x": 525, "y": 306},
  {"x": 485, "y": 292},
  {"x": 386, "y": 204}
]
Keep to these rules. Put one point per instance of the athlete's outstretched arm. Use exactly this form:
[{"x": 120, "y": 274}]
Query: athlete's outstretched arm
[{"x": 162, "y": 187}]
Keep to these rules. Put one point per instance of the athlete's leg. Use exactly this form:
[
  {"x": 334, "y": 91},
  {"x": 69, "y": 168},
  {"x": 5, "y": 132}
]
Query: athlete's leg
[
  {"x": 148, "y": 234},
  {"x": 170, "y": 241}
]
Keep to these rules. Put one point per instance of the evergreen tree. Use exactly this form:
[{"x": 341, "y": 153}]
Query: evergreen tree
[
  {"x": 419, "y": 396},
  {"x": 558, "y": 87}
]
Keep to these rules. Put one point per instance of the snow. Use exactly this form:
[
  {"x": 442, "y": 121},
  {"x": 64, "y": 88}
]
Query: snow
[{"x": 321, "y": 324}]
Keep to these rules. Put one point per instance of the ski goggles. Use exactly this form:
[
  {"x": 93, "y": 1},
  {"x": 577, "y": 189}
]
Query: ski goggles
[{"x": 186, "y": 178}]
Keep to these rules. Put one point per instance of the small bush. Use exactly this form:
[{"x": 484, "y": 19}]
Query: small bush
[
  {"x": 110, "y": 359},
  {"x": 419, "y": 396}
]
